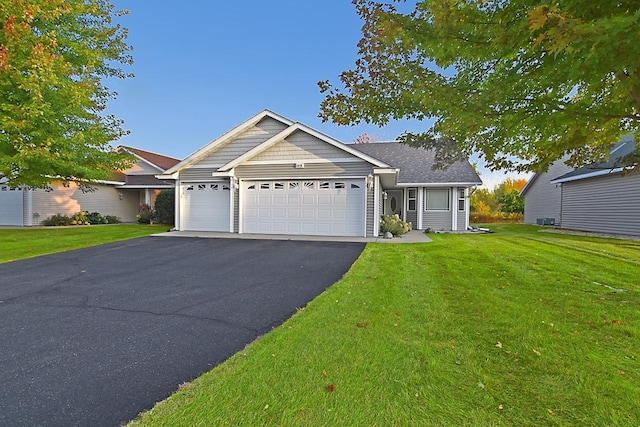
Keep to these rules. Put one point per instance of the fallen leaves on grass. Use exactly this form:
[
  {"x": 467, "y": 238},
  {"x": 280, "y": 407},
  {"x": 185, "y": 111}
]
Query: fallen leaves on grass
[
  {"x": 537, "y": 352},
  {"x": 499, "y": 344},
  {"x": 362, "y": 324},
  {"x": 331, "y": 387}
]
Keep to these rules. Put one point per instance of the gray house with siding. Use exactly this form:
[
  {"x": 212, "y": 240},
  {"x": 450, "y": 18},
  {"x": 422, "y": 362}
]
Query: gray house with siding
[
  {"x": 542, "y": 199},
  {"x": 603, "y": 197},
  {"x": 270, "y": 175}
]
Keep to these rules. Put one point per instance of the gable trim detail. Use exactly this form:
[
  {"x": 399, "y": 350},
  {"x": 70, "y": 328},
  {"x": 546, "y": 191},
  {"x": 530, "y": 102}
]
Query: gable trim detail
[{"x": 226, "y": 137}]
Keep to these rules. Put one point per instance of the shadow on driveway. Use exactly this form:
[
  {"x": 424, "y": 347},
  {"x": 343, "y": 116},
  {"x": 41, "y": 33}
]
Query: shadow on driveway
[{"x": 97, "y": 335}]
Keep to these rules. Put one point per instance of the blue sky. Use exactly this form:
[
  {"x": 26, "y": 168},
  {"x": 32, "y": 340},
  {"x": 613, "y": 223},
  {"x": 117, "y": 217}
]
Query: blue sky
[{"x": 203, "y": 67}]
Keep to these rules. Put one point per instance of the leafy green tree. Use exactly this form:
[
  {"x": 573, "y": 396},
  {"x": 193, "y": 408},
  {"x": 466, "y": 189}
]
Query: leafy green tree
[
  {"x": 54, "y": 55},
  {"x": 511, "y": 202},
  {"x": 521, "y": 82}
]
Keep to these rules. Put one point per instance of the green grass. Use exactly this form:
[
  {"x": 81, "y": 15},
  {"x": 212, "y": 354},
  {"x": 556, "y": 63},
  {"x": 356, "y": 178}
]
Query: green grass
[
  {"x": 514, "y": 328},
  {"x": 23, "y": 243}
]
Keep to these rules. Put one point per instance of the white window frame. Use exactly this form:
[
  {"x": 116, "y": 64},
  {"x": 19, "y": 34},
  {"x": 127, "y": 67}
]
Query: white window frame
[
  {"x": 413, "y": 199},
  {"x": 462, "y": 199}
]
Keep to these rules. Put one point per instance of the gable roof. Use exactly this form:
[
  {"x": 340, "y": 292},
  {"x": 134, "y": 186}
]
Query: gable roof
[
  {"x": 227, "y": 136},
  {"x": 625, "y": 146},
  {"x": 160, "y": 161},
  {"x": 415, "y": 164},
  {"x": 291, "y": 128}
]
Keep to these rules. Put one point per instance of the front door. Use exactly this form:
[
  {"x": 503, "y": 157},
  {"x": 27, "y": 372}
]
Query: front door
[{"x": 393, "y": 203}]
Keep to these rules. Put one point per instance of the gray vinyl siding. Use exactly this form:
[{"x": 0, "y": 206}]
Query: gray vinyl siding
[
  {"x": 242, "y": 143},
  {"x": 542, "y": 199},
  {"x": 301, "y": 146},
  {"x": 438, "y": 220},
  {"x": 70, "y": 200},
  {"x": 412, "y": 217},
  {"x": 370, "y": 212},
  {"x": 607, "y": 204},
  {"x": 198, "y": 175},
  {"x": 323, "y": 170}
]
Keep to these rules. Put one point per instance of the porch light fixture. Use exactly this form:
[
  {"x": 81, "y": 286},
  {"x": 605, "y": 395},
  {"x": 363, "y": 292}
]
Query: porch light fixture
[
  {"x": 120, "y": 196},
  {"x": 369, "y": 182},
  {"x": 384, "y": 195}
]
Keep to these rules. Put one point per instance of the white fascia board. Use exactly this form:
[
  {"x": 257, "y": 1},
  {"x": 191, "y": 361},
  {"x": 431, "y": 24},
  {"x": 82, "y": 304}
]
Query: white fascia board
[
  {"x": 259, "y": 148},
  {"x": 437, "y": 184},
  {"x": 227, "y": 136},
  {"x": 104, "y": 182},
  {"x": 588, "y": 175},
  {"x": 167, "y": 176},
  {"x": 225, "y": 174},
  {"x": 529, "y": 183},
  {"x": 380, "y": 171},
  {"x": 142, "y": 187}
]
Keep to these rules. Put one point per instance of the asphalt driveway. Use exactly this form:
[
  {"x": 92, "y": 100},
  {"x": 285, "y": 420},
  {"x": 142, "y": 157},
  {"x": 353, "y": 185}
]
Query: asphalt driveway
[{"x": 95, "y": 336}]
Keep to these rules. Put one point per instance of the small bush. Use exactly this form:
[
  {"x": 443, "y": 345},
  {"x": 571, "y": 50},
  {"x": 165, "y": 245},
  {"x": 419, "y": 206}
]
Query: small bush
[
  {"x": 79, "y": 218},
  {"x": 57, "y": 220},
  {"x": 166, "y": 206},
  {"x": 112, "y": 219},
  {"x": 146, "y": 214},
  {"x": 394, "y": 225},
  {"x": 486, "y": 218},
  {"x": 96, "y": 218}
]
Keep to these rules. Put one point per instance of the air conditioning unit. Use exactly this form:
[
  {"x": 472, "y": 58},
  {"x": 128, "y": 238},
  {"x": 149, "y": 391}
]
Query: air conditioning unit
[{"x": 546, "y": 221}]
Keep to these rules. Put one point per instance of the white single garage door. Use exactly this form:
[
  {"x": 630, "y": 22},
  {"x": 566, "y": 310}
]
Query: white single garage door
[
  {"x": 11, "y": 205},
  {"x": 307, "y": 207},
  {"x": 205, "y": 206}
]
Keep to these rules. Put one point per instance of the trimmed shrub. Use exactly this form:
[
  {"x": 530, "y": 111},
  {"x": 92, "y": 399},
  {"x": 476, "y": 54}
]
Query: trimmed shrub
[
  {"x": 57, "y": 220},
  {"x": 394, "y": 225},
  {"x": 487, "y": 218},
  {"x": 112, "y": 219},
  {"x": 146, "y": 214},
  {"x": 166, "y": 206},
  {"x": 79, "y": 218}
]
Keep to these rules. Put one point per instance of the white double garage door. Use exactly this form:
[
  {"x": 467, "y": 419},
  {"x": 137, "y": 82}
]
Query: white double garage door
[{"x": 333, "y": 207}]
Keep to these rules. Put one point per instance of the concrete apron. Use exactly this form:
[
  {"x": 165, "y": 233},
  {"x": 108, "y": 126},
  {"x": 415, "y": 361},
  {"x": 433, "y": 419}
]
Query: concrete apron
[{"x": 414, "y": 236}]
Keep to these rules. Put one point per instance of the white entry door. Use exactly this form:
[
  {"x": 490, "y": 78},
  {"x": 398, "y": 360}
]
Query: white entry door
[
  {"x": 333, "y": 207},
  {"x": 204, "y": 206},
  {"x": 11, "y": 205}
]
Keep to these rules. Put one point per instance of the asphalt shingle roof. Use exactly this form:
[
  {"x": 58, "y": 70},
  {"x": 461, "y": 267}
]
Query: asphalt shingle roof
[
  {"x": 163, "y": 162},
  {"x": 624, "y": 147},
  {"x": 415, "y": 164}
]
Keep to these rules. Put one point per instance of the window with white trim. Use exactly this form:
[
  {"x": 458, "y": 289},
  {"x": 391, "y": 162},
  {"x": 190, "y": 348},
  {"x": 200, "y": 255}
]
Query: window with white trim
[
  {"x": 412, "y": 196},
  {"x": 436, "y": 199},
  {"x": 461, "y": 199}
]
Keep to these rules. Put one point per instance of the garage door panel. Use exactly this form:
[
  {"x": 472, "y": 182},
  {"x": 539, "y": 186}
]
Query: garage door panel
[
  {"x": 311, "y": 207},
  {"x": 205, "y": 206}
]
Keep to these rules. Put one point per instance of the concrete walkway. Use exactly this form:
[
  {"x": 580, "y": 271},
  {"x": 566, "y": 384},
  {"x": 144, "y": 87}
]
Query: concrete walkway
[{"x": 414, "y": 236}]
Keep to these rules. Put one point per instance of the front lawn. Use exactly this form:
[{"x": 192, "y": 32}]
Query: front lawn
[
  {"x": 515, "y": 328},
  {"x": 29, "y": 242}
]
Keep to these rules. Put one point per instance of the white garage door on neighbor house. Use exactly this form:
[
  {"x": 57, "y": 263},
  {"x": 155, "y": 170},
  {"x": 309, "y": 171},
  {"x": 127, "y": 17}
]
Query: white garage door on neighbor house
[
  {"x": 11, "y": 205},
  {"x": 332, "y": 207}
]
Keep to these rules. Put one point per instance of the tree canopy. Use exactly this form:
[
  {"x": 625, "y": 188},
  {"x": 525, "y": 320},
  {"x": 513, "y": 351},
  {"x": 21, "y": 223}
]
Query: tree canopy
[
  {"x": 520, "y": 82},
  {"x": 54, "y": 56}
]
